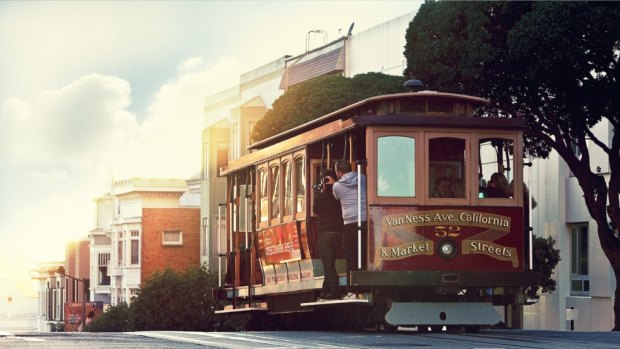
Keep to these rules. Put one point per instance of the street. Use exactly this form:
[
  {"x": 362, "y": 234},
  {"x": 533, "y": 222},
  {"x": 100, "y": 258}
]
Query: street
[{"x": 342, "y": 340}]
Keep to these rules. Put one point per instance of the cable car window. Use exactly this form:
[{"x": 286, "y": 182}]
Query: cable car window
[
  {"x": 300, "y": 180},
  {"x": 396, "y": 166},
  {"x": 446, "y": 177},
  {"x": 495, "y": 168},
  {"x": 412, "y": 106},
  {"x": 288, "y": 188},
  {"x": 439, "y": 106},
  {"x": 262, "y": 178},
  {"x": 274, "y": 182}
]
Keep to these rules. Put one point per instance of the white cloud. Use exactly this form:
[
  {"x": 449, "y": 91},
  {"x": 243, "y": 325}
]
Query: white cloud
[
  {"x": 75, "y": 125},
  {"x": 168, "y": 141}
]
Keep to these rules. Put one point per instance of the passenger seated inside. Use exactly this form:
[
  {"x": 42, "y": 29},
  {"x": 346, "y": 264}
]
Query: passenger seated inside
[
  {"x": 498, "y": 187},
  {"x": 442, "y": 188},
  {"x": 458, "y": 187}
]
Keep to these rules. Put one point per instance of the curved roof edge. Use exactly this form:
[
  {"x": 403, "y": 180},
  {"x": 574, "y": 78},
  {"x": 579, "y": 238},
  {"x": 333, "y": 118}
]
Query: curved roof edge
[{"x": 478, "y": 101}]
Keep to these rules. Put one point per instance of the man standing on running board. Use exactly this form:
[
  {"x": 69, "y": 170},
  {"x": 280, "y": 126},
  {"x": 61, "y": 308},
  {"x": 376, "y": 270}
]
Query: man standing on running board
[{"x": 346, "y": 190}]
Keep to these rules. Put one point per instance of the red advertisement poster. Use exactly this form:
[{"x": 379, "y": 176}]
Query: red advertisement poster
[
  {"x": 280, "y": 243},
  {"x": 79, "y": 314}
]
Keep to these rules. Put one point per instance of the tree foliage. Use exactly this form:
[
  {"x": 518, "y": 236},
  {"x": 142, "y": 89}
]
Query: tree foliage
[
  {"x": 172, "y": 301},
  {"x": 116, "y": 319},
  {"x": 554, "y": 64},
  {"x": 545, "y": 259},
  {"x": 319, "y": 96}
]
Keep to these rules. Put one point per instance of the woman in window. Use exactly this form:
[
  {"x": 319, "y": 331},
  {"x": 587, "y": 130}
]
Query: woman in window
[{"x": 498, "y": 186}]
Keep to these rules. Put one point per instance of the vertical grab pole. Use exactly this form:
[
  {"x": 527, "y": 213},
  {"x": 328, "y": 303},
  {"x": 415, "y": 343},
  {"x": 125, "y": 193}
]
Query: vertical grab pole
[
  {"x": 359, "y": 216},
  {"x": 246, "y": 217},
  {"x": 529, "y": 208},
  {"x": 219, "y": 245},
  {"x": 230, "y": 233},
  {"x": 249, "y": 227}
]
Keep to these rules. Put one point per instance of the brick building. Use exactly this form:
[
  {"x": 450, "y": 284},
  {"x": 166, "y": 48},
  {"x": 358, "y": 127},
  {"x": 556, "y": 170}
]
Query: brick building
[
  {"x": 170, "y": 239},
  {"x": 155, "y": 226}
]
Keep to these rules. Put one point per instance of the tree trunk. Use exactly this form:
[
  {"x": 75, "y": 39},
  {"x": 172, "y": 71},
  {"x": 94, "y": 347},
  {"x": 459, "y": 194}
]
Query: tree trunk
[{"x": 617, "y": 304}]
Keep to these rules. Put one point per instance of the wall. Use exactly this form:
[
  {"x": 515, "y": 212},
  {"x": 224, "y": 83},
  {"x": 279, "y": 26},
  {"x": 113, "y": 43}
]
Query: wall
[
  {"x": 561, "y": 203},
  {"x": 379, "y": 49},
  {"x": 156, "y": 256}
]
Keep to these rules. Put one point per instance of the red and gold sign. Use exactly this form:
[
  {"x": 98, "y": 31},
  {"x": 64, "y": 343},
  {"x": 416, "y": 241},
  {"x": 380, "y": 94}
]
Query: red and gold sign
[{"x": 410, "y": 238}]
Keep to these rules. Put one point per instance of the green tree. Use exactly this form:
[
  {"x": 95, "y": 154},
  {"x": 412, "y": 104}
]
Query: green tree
[
  {"x": 319, "y": 96},
  {"x": 116, "y": 319},
  {"x": 546, "y": 257},
  {"x": 554, "y": 64},
  {"x": 170, "y": 300},
  {"x": 178, "y": 301}
]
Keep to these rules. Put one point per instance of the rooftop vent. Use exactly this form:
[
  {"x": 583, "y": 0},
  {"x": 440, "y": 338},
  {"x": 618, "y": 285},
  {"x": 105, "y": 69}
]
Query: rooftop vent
[{"x": 414, "y": 85}]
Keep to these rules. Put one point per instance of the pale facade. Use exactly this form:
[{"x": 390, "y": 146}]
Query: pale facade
[
  {"x": 101, "y": 250},
  {"x": 50, "y": 294},
  {"x": 585, "y": 281}
]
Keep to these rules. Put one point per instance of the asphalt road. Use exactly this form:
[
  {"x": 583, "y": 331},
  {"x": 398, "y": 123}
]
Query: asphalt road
[{"x": 319, "y": 340}]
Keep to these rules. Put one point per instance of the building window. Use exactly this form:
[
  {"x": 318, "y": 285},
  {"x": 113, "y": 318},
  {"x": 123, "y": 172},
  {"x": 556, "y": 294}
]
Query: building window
[
  {"x": 579, "y": 278},
  {"x": 135, "y": 247},
  {"x": 120, "y": 250},
  {"x": 101, "y": 240},
  {"x": 172, "y": 237},
  {"x": 235, "y": 140},
  {"x": 205, "y": 160},
  {"x": 222, "y": 160},
  {"x": 104, "y": 279}
]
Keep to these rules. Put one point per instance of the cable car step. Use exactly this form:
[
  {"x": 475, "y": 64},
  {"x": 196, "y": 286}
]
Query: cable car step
[
  {"x": 328, "y": 302},
  {"x": 245, "y": 308}
]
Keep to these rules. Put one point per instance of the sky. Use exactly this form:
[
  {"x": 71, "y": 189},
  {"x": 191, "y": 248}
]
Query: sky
[{"x": 95, "y": 91}]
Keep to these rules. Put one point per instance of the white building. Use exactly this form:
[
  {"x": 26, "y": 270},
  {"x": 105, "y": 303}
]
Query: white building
[
  {"x": 585, "y": 281},
  {"x": 101, "y": 249}
]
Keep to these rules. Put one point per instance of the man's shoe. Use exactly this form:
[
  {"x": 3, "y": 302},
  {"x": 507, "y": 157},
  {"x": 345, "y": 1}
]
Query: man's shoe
[{"x": 350, "y": 295}]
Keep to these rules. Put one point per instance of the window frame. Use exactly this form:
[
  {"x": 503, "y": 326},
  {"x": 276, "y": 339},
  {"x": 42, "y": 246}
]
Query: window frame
[
  {"x": 288, "y": 159},
  {"x": 575, "y": 275},
  {"x": 120, "y": 249},
  {"x": 274, "y": 188},
  {"x": 517, "y": 199},
  {"x": 220, "y": 162},
  {"x": 134, "y": 237},
  {"x": 262, "y": 169},
  {"x": 373, "y": 135},
  {"x": 178, "y": 242},
  {"x": 300, "y": 214},
  {"x": 429, "y": 200}
]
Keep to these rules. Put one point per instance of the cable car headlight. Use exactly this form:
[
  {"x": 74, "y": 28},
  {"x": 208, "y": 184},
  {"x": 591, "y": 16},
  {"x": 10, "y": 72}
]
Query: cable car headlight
[{"x": 447, "y": 249}]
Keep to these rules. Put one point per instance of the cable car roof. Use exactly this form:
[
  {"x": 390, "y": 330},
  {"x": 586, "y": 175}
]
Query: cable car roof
[{"x": 342, "y": 113}]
